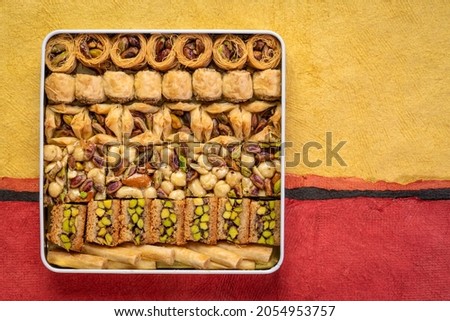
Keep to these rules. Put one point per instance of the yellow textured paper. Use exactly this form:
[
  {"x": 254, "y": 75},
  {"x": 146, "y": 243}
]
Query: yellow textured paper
[{"x": 373, "y": 73}]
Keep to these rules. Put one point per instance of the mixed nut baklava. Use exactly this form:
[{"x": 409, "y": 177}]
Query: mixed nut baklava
[{"x": 163, "y": 151}]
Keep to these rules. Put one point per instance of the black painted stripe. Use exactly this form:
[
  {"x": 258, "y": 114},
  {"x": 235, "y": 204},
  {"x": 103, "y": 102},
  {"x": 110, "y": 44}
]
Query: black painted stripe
[
  {"x": 15, "y": 196},
  {"x": 313, "y": 193},
  {"x": 302, "y": 193}
]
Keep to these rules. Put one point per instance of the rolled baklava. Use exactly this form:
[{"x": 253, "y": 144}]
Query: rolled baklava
[
  {"x": 60, "y": 88},
  {"x": 128, "y": 51},
  {"x": 237, "y": 86},
  {"x": 60, "y": 55},
  {"x": 229, "y": 52},
  {"x": 201, "y": 220},
  {"x": 207, "y": 84},
  {"x": 264, "y": 52},
  {"x": 93, "y": 50},
  {"x": 194, "y": 50},
  {"x": 160, "y": 52},
  {"x": 103, "y": 223},
  {"x": 66, "y": 228}
]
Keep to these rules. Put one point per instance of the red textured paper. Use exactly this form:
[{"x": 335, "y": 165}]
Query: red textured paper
[{"x": 349, "y": 249}]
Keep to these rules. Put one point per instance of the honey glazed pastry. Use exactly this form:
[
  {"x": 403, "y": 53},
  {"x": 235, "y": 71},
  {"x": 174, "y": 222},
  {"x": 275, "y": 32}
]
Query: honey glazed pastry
[
  {"x": 194, "y": 50},
  {"x": 160, "y": 53},
  {"x": 93, "y": 50},
  {"x": 128, "y": 51},
  {"x": 60, "y": 54}
]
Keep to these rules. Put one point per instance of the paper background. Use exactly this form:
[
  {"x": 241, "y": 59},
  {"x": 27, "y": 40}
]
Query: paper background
[{"x": 376, "y": 75}]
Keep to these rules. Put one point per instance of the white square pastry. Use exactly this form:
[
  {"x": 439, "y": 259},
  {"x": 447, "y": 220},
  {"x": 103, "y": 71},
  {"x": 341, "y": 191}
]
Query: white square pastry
[
  {"x": 267, "y": 84},
  {"x": 147, "y": 86},
  {"x": 89, "y": 89},
  {"x": 118, "y": 86},
  {"x": 237, "y": 86},
  {"x": 177, "y": 85},
  {"x": 60, "y": 88},
  {"x": 207, "y": 84}
]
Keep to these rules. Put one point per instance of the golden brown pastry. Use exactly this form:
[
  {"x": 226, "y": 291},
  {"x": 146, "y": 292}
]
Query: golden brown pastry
[
  {"x": 106, "y": 123},
  {"x": 92, "y": 50},
  {"x": 147, "y": 86},
  {"x": 65, "y": 124},
  {"x": 137, "y": 120},
  {"x": 267, "y": 84},
  {"x": 233, "y": 220},
  {"x": 60, "y": 88},
  {"x": 67, "y": 226},
  {"x": 160, "y": 53},
  {"x": 89, "y": 89},
  {"x": 265, "y": 222},
  {"x": 261, "y": 121},
  {"x": 264, "y": 51},
  {"x": 237, "y": 86},
  {"x": 60, "y": 55},
  {"x": 194, "y": 50},
  {"x": 177, "y": 85},
  {"x": 222, "y": 119},
  {"x": 135, "y": 221},
  {"x": 102, "y": 222},
  {"x": 118, "y": 86},
  {"x": 167, "y": 224},
  {"x": 229, "y": 52},
  {"x": 128, "y": 51},
  {"x": 200, "y": 222},
  {"x": 179, "y": 122},
  {"x": 207, "y": 84}
]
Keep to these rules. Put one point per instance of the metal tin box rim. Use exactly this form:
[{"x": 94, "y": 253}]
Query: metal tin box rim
[{"x": 156, "y": 271}]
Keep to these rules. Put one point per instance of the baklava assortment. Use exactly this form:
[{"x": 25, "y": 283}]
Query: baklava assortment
[{"x": 162, "y": 151}]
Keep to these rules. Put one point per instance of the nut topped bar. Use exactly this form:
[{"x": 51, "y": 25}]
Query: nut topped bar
[{"x": 163, "y": 151}]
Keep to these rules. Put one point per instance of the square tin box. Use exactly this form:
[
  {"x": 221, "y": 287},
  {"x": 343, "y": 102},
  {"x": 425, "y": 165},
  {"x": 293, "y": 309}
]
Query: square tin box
[{"x": 161, "y": 151}]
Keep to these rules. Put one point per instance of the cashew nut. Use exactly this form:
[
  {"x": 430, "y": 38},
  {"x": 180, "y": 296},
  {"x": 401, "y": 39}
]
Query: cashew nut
[
  {"x": 220, "y": 172},
  {"x": 177, "y": 194}
]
